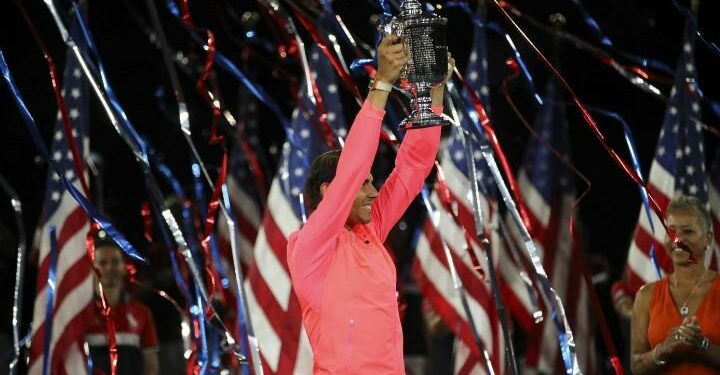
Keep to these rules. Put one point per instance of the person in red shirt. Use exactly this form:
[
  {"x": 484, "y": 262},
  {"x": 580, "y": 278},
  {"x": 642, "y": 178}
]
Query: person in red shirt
[
  {"x": 137, "y": 341},
  {"x": 344, "y": 278}
]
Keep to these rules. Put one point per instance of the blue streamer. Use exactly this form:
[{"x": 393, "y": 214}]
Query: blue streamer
[
  {"x": 23, "y": 342},
  {"x": 214, "y": 251},
  {"x": 240, "y": 302},
  {"x": 715, "y": 106},
  {"x": 200, "y": 316},
  {"x": 630, "y": 141},
  {"x": 172, "y": 181},
  {"x": 605, "y": 40},
  {"x": 136, "y": 142},
  {"x": 225, "y": 63},
  {"x": 119, "y": 239},
  {"x": 357, "y": 67},
  {"x": 590, "y": 21},
  {"x": 696, "y": 29},
  {"x": 495, "y": 27},
  {"x": 50, "y": 300},
  {"x": 90, "y": 364}
]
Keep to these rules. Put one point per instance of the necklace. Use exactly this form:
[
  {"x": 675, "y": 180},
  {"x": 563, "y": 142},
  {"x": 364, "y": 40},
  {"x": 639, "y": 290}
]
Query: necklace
[{"x": 684, "y": 310}]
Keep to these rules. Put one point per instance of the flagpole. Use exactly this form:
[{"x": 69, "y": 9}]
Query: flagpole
[{"x": 485, "y": 242}]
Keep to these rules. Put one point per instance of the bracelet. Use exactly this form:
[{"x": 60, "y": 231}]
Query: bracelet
[
  {"x": 380, "y": 85},
  {"x": 658, "y": 362}
]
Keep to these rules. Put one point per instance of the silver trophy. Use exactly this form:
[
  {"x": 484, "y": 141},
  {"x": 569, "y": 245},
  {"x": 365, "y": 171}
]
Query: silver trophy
[{"x": 425, "y": 37}]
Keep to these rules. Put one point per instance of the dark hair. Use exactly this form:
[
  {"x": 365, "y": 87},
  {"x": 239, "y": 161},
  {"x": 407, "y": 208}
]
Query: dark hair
[
  {"x": 322, "y": 170},
  {"x": 694, "y": 205}
]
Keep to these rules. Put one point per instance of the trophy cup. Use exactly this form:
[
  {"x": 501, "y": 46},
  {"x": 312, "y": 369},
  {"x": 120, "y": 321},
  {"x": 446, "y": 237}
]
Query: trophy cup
[{"x": 425, "y": 37}]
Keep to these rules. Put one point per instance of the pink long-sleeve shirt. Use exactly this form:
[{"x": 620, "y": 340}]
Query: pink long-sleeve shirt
[{"x": 344, "y": 279}]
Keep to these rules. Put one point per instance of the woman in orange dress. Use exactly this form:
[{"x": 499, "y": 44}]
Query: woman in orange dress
[{"x": 676, "y": 320}]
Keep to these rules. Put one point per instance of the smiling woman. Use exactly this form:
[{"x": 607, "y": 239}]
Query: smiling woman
[{"x": 676, "y": 320}]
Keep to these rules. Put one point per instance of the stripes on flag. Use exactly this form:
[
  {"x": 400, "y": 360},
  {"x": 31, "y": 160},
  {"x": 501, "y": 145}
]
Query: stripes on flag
[
  {"x": 430, "y": 266},
  {"x": 677, "y": 168},
  {"x": 274, "y": 308},
  {"x": 73, "y": 304},
  {"x": 432, "y": 272}
]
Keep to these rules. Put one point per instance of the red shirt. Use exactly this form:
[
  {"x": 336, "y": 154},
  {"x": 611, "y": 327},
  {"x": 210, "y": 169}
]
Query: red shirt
[
  {"x": 664, "y": 316},
  {"x": 135, "y": 332},
  {"x": 345, "y": 279}
]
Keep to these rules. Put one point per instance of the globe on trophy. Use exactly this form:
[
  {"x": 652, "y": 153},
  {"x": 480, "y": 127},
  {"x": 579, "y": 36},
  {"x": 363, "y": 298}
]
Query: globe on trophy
[{"x": 425, "y": 37}]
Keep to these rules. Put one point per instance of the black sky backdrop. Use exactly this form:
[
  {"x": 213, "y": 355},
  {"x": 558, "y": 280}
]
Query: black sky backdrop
[{"x": 648, "y": 28}]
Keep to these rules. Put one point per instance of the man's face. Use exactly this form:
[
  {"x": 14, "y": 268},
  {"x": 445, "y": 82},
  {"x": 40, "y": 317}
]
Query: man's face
[
  {"x": 111, "y": 264},
  {"x": 362, "y": 205}
]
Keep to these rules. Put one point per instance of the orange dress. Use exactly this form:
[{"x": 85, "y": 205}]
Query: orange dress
[{"x": 664, "y": 315}]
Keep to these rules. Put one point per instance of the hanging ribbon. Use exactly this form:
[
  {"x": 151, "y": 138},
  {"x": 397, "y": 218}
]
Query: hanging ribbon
[
  {"x": 205, "y": 216},
  {"x": 202, "y": 361},
  {"x": 688, "y": 14},
  {"x": 528, "y": 280},
  {"x": 60, "y": 101},
  {"x": 630, "y": 142},
  {"x": 286, "y": 23},
  {"x": 214, "y": 254},
  {"x": 127, "y": 132},
  {"x": 479, "y": 23},
  {"x": 50, "y": 301},
  {"x": 37, "y": 140},
  {"x": 339, "y": 25},
  {"x": 244, "y": 322},
  {"x": 458, "y": 285},
  {"x": 19, "y": 272},
  {"x": 214, "y": 102},
  {"x": 175, "y": 184},
  {"x": 159, "y": 40},
  {"x": 552, "y": 300},
  {"x": 147, "y": 221},
  {"x": 635, "y": 75},
  {"x": 224, "y": 63},
  {"x": 319, "y": 40},
  {"x": 485, "y": 127},
  {"x": 580, "y": 261},
  {"x": 605, "y": 40},
  {"x": 590, "y": 121},
  {"x": 347, "y": 80}
]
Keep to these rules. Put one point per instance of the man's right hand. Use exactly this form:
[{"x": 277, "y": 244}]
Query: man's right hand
[{"x": 392, "y": 56}]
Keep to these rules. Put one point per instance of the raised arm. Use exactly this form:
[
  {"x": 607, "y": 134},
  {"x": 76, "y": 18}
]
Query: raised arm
[
  {"x": 413, "y": 163},
  {"x": 310, "y": 251}
]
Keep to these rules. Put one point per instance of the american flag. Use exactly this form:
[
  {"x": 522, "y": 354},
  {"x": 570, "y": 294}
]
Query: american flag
[
  {"x": 432, "y": 271},
  {"x": 73, "y": 306},
  {"x": 678, "y": 168},
  {"x": 431, "y": 268},
  {"x": 274, "y": 308},
  {"x": 714, "y": 197},
  {"x": 548, "y": 189},
  {"x": 514, "y": 287}
]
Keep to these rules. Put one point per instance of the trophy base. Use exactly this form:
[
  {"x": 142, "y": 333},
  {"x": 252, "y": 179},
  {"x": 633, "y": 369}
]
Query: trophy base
[{"x": 420, "y": 119}]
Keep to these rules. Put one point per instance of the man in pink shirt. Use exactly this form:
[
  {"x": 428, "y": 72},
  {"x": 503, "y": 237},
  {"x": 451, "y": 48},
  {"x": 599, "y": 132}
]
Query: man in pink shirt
[{"x": 343, "y": 276}]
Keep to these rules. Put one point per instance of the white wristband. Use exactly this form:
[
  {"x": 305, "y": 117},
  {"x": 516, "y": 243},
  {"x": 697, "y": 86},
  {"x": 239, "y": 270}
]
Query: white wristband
[{"x": 382, "y": 86}]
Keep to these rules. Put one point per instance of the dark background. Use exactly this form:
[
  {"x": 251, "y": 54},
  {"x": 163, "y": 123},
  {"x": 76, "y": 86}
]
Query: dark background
[{"x": 648, "y": 28}]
